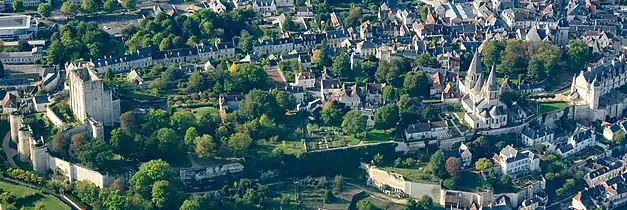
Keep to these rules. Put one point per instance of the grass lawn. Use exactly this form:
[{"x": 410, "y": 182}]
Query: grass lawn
[
  {"x": 380, "y": 204},
  {"x": 376, "y": 135},
  {"x": 470, "y": 182},
  {"x": 202, "y": 110},
  {"x": 48, "y": 200},
  {"x": 420, "y": 174},
  {"x": 544, "y": 107},
  {"x": 289, "y": 147},
  {"x": 352, "y": 140},
  {"x": 310, "y": 195},
  {"x": 141, "y": 95}
]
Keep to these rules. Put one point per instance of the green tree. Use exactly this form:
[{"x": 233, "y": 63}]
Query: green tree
[
  {"x": 156, "y": 119},
  {"x": 416, "y": 84},
  {"x": 95, "y": 154},
  {"x": 87, "y": 191},
  {"x": 112, "y": 199},
  {"x": 128, "y": 4},
  {"x": 246, "y": 42},
  {"x": 428, "y": 114},
  {"x": 182, "y": 120},
  {"x": 129, "y": 122},
  {"x": 386, "y": 117},
  {"x": 192, "y": 203},
  {"x": 492, "y": 52},
  {"x": 338, "y": 183},
  {"x": 166, "y": 143},
  {"x": 165, "y": 44},
  {"x": 535, "y": 69},
  {"x": 190, "y": 137},
  {"x": 69, "y": 9},
  {"x": 437, "y": 163},
  {"x": 577, "y": 54},
  {"x": 390, "y": 94},
  {"x": 44, "y": 10},
  {"x": 377, "y": 160},
  {"x": 482, "y": 164},
  {"x": 164, "y": 195},
  {"x": 342, "y": 66},
  {"x": 354, "y": 122},
  {"x": 205, "y": 147},
  {"x": 285, "y": 100},
  {"x": 330, "y": 114},
  {"x": 352, "y": 19},
  {"x": 208, "y": 122},
  {"x": 18, "y": 5},
  {"x": 365, "y": 205},
  {"x": 150, "y": 172},
  {"x": 195, "y": 82},
  {"x": 423, "y": 12},
  {"x": 327, "y": 196},
  {"x": 239, "y": 143},
  {"x": 426, "y": 60},
  {"x": 288, "y": 24},
  {"x": 408, "y": 108},
  {"x": 257, "y": 103},
  {"x": 89, "y": 6},
  {"x": 110, "y": 5}
]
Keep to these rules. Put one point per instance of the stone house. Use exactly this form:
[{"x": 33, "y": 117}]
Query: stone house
[{"x": 428, "y": 130}]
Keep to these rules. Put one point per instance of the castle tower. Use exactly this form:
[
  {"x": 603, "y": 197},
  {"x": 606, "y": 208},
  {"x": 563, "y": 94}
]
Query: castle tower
[
  {"x": 95, "y": 128},
  {"x": 39, "y": 156},
  {"x": 490, "y": 88},
  {"x": 563, "y": 30},
  {"x": 23, "y": 145},
  {"x": 15, "y": 121}
]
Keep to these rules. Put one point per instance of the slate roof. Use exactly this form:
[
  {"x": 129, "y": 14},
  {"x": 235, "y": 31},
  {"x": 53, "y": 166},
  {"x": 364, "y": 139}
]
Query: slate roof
[{"x": 537, "y": 133}]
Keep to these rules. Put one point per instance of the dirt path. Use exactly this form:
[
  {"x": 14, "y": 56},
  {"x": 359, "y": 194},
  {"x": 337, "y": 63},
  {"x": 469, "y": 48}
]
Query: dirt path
[{"x": 10, "y": 152}]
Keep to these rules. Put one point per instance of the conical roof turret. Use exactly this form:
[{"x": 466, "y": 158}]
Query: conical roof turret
[{"x": 491, "y": 84}]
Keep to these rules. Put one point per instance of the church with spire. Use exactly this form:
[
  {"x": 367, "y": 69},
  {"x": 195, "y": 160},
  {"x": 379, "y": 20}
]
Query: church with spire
[{"x": 481, "y": 98}]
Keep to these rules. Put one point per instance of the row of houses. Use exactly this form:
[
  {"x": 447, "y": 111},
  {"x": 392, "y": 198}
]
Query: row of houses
[{"x": 145, "y": 57}]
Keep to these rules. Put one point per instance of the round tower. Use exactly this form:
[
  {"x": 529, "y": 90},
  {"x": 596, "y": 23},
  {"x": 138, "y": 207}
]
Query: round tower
[
  {"x": 15, "y": 121},
  {"x": 39, "y": 156},
  {"x": 23, "y": 145}
]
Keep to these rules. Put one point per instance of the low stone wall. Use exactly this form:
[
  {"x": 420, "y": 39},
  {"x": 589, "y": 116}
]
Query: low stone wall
[
  {"x": 75, "y": 172},
  {"x": 210, "y": 172},
  {"x": 395, "y": 185},
  {"x": 54, "y": 119}
]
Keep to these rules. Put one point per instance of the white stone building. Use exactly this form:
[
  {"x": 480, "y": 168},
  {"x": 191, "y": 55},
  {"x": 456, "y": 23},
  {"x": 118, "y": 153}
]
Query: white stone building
[
  {"x": 480, "y": 100},
  {"x": 531, "y": 137},
  {"x": 513, "y": 162},
  {"x": 580, "y": 139},
  {"x": 18, "y": 26},
  {"x": 591, "y": 85},
  {"x": 90, "y": 98},
  {"x": 429, "y": 130},
  {"x": 305, "y": 79},
  {"x": 26, "y": 57}
]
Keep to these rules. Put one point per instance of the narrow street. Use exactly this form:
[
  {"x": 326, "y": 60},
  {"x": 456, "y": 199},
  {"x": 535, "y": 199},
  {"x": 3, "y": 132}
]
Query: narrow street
[{"x": 10, "y": 152}]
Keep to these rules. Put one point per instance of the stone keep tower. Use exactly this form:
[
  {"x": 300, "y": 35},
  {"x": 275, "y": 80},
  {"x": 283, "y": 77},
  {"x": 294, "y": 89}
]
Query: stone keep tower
[
  {"x": 23, "y": 145},
  {"x": 39, "y": 156},
  {"x": 15, "y": 121}
]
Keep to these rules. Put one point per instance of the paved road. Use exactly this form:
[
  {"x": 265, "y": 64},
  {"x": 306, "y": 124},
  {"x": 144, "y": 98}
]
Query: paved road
[{"x": 10, "y": 152}]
